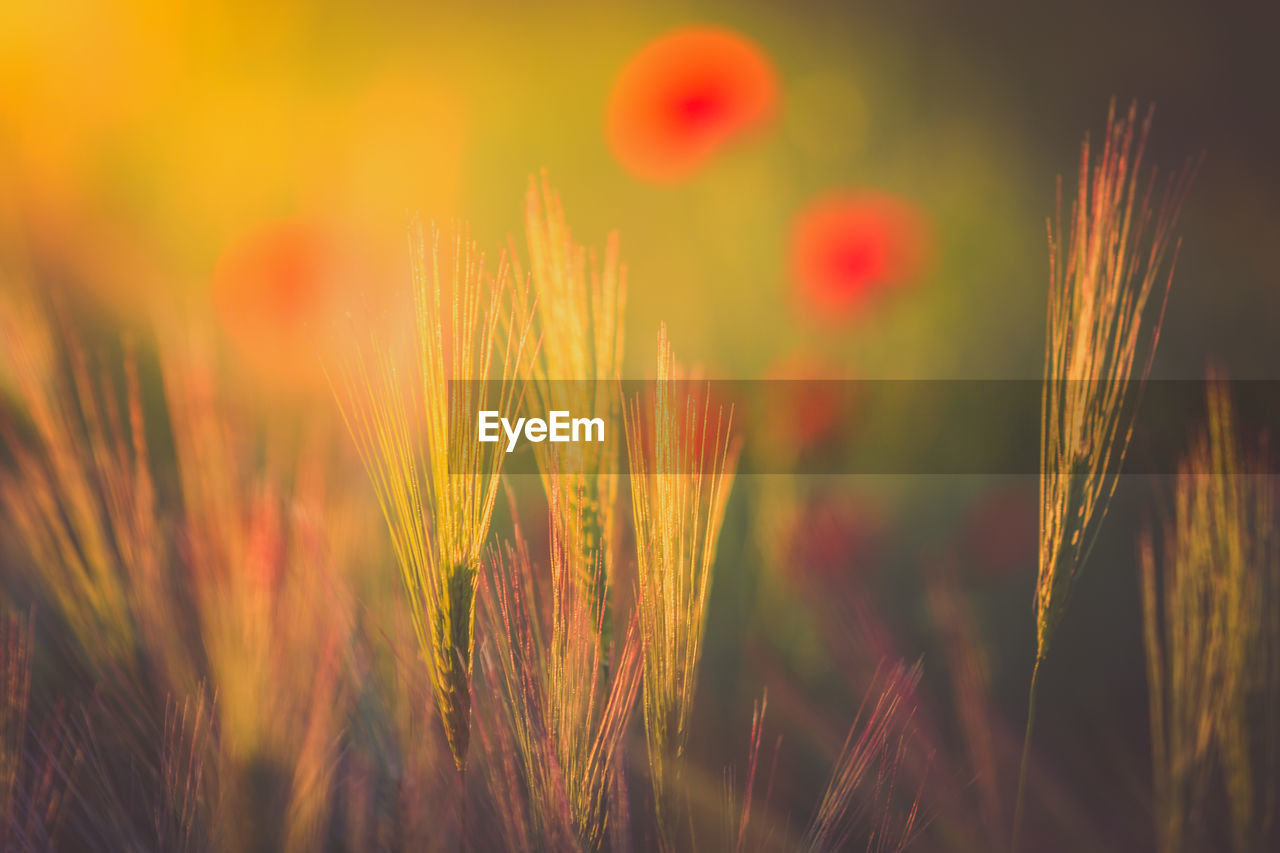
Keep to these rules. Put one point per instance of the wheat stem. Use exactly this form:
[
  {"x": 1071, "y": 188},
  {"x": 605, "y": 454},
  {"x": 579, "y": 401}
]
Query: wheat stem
[{"x": 1026, "y": 752}]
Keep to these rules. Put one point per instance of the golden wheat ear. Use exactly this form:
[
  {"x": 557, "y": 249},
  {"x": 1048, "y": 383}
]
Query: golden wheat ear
[
  {"x": 1110, "y": 271},
  {"x": 682, "y": 460},
  {"x": 411, "y": 423},
  {"x": 580, "y": 299}
]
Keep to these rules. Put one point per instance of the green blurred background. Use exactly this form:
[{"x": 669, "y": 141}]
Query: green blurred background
[{"x": 140, "y": 140}]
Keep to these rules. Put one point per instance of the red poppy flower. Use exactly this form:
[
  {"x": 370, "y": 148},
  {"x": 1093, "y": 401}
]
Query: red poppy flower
[
  {"x": 848, "y": 249},
  {"x": 683, "y": 97},
  {"x": 273, "y": 291}
]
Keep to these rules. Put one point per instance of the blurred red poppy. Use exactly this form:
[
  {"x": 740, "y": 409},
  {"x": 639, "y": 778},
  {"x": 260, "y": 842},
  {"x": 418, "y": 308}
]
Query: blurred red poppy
[
  {"x": 810, "y": 403},
  {"x": 848, "y": 249},
  {"x": 835, "y": 540},
  {"x": 1000, "y": 535},
  {"x": 683, "y": 97},
  {"x": 273, "y": 291}
]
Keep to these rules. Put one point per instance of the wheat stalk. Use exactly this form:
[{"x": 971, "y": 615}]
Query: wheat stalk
[
  {"x": 435, "y": 483},
  {"x": 261, "y": 546},
  {"x": 38, "y": 763},
  {"x": 579, "y": 307},
  {"x": 739, "y": 830},
  {"x": 1206, "y": 635},
  {"x": 567, "y": 720},
  {"x": 1107, "y": 276},
  {"x": 865, "y": 775},
  {"x": 682, "y": 467},
  {"x": 81, "y": 498}
]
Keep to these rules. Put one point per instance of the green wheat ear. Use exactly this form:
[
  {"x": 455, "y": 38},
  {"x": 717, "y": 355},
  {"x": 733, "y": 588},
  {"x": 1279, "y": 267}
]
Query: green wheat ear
[{"x": 453, "y": 648}]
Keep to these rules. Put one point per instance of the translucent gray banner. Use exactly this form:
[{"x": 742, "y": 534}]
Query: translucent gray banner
[{"x": 813, "y": 427}]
